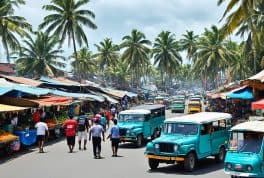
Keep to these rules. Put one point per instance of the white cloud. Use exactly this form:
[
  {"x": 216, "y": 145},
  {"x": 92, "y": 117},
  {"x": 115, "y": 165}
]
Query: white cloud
[{"x": 116, "y": 18}]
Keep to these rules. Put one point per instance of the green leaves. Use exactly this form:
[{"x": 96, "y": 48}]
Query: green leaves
[{"x": 41, "y": 56}]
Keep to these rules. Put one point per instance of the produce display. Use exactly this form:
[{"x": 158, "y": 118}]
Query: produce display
[
  {"x": 6, "y": 137},
  {"x": 51, "y": 123},
  {"x": 63, "y": 117}
]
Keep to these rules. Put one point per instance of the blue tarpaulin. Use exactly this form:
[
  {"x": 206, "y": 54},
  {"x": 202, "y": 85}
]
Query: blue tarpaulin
[
  {"x": 78, "y": 95},
  {"x": 4, "y": 90},
  {"x": 244, "y": 93}
]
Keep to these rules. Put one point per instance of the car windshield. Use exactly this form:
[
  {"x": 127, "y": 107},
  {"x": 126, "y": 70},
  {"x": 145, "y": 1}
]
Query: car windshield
[
  {"x": 177, "y": 102},
  {"x": 246, "y": 142},
  {"x": 194, "y": 105},
  {"x": 180, "y": 128},
  {"x": 131, "y": 117}
]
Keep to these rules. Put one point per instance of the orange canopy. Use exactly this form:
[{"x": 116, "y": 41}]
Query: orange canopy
[{"x": 53, "y": 101}]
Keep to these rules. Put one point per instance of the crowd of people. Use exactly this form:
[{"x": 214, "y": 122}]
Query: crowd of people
[{"x": 86, "y": 129}]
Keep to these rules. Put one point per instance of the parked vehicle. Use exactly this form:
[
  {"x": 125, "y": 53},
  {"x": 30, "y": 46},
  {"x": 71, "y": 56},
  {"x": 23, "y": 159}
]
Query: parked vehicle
[
  {"x": 177, "y": 106},
  {"x": 187, "y": 139},
  {"x": 194, "y": 107},
  {"x": 245, "y": 156},
  {"x": 140, "y": 123}
]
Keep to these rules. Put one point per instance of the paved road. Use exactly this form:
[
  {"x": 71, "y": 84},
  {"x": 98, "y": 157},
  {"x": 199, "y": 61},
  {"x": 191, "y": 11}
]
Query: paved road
[{"x": 58, "y": 163}]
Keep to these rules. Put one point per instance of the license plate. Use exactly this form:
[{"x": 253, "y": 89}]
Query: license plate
[
  {"x": 238, "y": 166},
  {"x": 57, "y": 131}
]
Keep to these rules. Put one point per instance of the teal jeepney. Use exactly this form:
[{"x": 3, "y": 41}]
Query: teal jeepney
[
  {"x": 186, "y": 139},
  {"x": 245, "y": 155},
  {"x": 141, "y": 123},
  {"x": 178, "y": 106}
]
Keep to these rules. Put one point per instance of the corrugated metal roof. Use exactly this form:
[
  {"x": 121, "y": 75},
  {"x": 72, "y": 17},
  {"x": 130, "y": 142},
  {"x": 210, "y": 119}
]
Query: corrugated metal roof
[
  {"x": 78, "y": 95},
  {"x": 22, "y": 80}
]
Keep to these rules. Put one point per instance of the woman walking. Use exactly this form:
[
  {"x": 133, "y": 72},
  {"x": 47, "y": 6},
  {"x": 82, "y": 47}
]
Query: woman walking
[{"x": 114, "y": 135}]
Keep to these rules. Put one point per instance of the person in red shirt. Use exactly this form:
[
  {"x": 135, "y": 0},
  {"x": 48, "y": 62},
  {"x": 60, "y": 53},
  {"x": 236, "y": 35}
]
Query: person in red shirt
[
  {"x": 36, "y": 116},
  {"x": 108, "y": 116},
  {"x": 70, "y": 126}
]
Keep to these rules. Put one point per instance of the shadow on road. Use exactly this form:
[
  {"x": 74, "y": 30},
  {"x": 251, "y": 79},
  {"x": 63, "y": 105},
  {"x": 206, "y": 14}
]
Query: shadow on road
[
  {"x": 4, "y": 158},
  {"x": 204, "y": 166},
  {"x": 130, "y": 146}
]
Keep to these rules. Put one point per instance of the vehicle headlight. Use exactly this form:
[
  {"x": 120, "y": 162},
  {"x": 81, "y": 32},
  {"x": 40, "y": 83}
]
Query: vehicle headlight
[
  {"x": 157, "y": 146},
  {"x": 249, "y": 168},
  {"x": 175, "y": 148},
  {"x": 228, "y": 166},
  {"x": 128, "y": 131}
]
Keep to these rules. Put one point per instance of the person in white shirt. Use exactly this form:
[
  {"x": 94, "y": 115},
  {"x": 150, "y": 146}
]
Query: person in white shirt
[
  {"x": 42, "y": 129},
  {"x": 14, "y": 120}
]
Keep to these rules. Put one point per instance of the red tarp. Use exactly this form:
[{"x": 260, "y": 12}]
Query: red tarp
[{"x": 258, "y": 104}]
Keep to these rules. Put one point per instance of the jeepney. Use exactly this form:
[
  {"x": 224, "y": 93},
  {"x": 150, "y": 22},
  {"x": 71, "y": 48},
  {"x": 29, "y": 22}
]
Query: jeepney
[
  {"x": 245, "y": 155},
  {"x": 177, "y": 106},
  {"x": 140, "y": 123},
  {"x": 185, "y": 140},
  {"x": 194, "y": 107}
]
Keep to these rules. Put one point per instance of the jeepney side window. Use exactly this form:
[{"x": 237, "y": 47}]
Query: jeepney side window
[
  {"x": 228, "y": 123},
  {"x": 147, "y": 117},
  {"x": 222, "y": 124},
  {"x": 215, "y": 126}
]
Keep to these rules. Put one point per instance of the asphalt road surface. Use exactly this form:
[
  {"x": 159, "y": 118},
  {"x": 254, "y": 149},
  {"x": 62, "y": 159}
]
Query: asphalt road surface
[{"x": 58, "y": 163}]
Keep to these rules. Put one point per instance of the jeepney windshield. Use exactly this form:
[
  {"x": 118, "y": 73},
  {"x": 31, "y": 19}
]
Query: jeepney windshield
[
  {"x": 246, "y": 142},
  {"x": 180, "y": 128},
  {"x": 131, "y": 117},
  {"x": 194, "y": 105}
]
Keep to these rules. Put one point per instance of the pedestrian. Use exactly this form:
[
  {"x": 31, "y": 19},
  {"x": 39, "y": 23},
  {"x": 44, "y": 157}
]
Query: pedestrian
[
  {"x": 42, "y": 129},
  {"x": 70, "y": 126},
  {"x": 103, "y": 121},
  {"x": 114, "y": 136},
  {"x": 95, "y": 132},
  {"x": 108, "y": 116},
  {"x": 83, "y": 128}
]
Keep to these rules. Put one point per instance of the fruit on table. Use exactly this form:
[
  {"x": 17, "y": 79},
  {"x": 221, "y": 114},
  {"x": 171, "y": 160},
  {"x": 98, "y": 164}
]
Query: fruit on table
[
  {"x": 5, "y": 136},
  {"x": 51, "y": 122}
]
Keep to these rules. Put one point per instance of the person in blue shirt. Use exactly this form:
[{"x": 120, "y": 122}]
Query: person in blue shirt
[
  {"x": 103, "y": 121},
  {"x": 114, "y": 135}
]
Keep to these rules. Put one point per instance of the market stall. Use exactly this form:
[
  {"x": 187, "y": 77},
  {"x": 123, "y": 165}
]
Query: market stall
[{"x": 9, "y": 142}]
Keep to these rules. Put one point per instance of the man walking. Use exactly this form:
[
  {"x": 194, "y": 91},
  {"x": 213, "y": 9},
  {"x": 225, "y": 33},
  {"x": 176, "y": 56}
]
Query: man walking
[
  {"x": 114, "y": 136},
  {"x": 83, "y": 126},
  {"x": 70, "y": 126},
  {"x": 95, "y": 132},
  {"x": 42, "y": 128}
]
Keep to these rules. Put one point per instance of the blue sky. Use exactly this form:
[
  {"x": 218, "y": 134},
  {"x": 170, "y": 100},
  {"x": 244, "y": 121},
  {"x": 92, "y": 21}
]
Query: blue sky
[{"x": 116, "y": 18}]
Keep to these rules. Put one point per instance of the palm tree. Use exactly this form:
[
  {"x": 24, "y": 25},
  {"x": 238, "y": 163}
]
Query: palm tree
[
  {"x": 243, "y": 16},
  {"x": 107, "y": 55},
  {"x": 11, "y": 25},
  {"x": 40, "y": 56},
  {"x": 85, "y": 63},
  {"x": 165, "y": 53},
  {"x": 68, "y": 21},
  {"x": 136, "y": 53},
  {"x": 120, "y": 75},
  {"x": 212, "y": 55},
  {"x": 189, "y": 43}
]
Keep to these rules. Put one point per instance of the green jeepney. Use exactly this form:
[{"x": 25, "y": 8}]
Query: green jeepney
[
  {"x": 245, "y": 156},
  {"x": 178, "y": 106},
  {"x": 187, "y": 139},
  {"x": 140, "y": 123}
]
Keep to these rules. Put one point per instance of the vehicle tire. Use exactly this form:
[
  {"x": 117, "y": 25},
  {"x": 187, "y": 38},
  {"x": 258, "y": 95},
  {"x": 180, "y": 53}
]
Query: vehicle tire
[
  {"x": 190, "y": 162},
  {"x": 153, "y": 163},
  {"x": 8, "y": 150},
  {"x": 219, "y": 158},
  {"x": 139, "y": 140}
]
